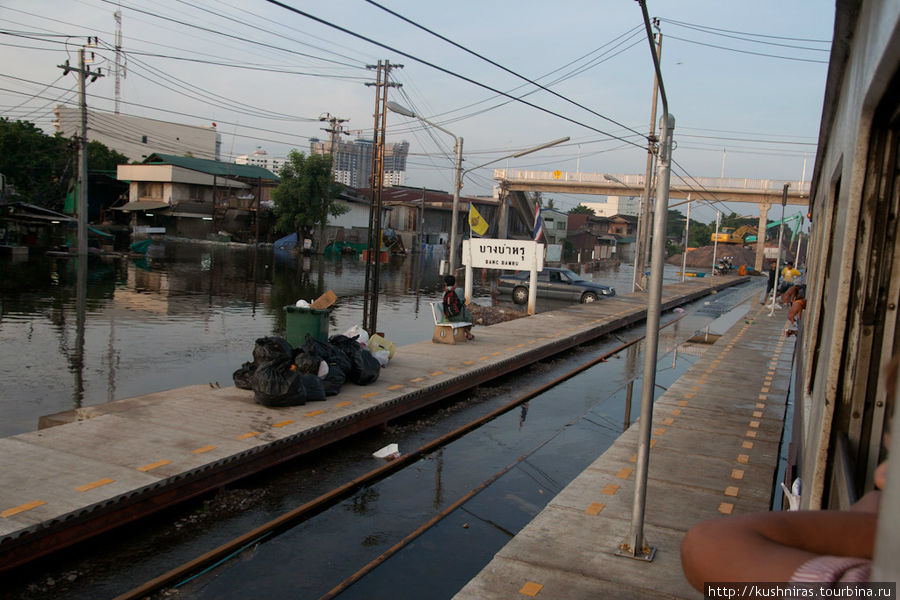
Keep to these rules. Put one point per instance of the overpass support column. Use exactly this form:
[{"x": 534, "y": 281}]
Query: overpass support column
[
  {"x": 761, "y": 236},
  {"x": 503, "y": 212}
]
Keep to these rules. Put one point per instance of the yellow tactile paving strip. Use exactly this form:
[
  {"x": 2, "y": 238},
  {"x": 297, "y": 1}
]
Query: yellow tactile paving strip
[{"x": 519, "y": 561}]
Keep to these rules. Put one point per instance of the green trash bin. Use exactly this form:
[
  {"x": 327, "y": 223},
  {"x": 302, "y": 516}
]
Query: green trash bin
[{"x": 300, "y": 321}]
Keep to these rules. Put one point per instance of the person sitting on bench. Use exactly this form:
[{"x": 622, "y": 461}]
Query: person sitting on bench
[{"x": 456, "y": 305}]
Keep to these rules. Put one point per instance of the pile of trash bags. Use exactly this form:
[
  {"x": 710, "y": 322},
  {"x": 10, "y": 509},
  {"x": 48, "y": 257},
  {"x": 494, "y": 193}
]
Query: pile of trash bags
[{"x": 280, "y": 375}]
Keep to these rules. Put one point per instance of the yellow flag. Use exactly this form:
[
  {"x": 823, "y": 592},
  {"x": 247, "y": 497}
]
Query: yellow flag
[{"x": 478, "y": 225}]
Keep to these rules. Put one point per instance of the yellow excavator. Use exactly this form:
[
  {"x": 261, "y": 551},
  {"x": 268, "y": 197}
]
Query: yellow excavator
[{"x": 732, "y": 235}]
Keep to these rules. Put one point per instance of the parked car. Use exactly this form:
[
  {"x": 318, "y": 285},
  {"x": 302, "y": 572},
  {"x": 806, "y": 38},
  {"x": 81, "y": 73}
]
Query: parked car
[{"x": 557, "y": 284}]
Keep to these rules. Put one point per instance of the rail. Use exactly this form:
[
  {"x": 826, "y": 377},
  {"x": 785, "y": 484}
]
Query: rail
[{"x": 189, "y": 570}]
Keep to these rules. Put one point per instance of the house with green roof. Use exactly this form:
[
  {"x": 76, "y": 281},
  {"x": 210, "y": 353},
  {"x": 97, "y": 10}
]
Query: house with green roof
[{"x": 196, "y": 197}]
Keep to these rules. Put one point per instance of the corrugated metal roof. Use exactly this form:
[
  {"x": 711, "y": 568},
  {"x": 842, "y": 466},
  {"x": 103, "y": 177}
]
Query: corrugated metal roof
[{"x": 211, "y": 167}]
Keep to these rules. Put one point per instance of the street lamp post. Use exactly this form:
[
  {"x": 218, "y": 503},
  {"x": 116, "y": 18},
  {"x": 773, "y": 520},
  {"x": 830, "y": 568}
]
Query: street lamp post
[
  {"x": 460, "y": 174},
  {"x": 402, "y": 110}
]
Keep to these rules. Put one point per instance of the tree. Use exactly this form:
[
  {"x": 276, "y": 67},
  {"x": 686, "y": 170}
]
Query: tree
[
  {"x": 675, "y": 224},
  {"x": 550, "y": 203},
  {"x": 40, "y": 167},
  {"x": 101, "y": 158},
  {"x": 306, "y": 196},
  {"x": 581, "y": 209},
  {"x": 735, "y": 220},
  {"x": 37, "y": 165}
]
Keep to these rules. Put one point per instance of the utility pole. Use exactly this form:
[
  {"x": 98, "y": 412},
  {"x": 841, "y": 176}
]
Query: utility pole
[
  {"x": 687, "y": 225},
  {"x": 643, "y": 258},
  {"x": 120, "y": 70},
  {"x": 83, "y": 73},
  {"x": 373, "y": 264},
  {"x": 336, "y": 128}
]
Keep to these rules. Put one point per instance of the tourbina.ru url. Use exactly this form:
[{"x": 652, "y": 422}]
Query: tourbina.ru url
[{"x": 800, "y": 590}]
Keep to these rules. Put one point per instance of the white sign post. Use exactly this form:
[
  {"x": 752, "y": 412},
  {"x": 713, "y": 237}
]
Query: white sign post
[{"x": 513, "y": 255}]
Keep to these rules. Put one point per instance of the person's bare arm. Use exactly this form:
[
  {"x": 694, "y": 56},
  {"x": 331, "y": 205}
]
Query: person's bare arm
[{"x": 771, "y": 546}]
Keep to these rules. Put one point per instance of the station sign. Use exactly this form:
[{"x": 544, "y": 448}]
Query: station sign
[{"x": 515, "y": 255}]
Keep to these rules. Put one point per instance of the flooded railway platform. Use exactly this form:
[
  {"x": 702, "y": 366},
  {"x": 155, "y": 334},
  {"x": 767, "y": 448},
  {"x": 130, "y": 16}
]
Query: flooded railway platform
[
  {"x": 132, "y": 457},
  {"x": 716, "y": 435}
]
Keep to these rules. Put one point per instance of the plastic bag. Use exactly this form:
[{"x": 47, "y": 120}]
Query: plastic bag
[
  {"x": 360, "y": 334},
  {"x": 376, "y": 343},
  {"x": 345, "y": 345},
  {"x": 306, "y": 362},
  {"x": 382, "y": 356},
  {"x": 334, "y": 380},
  {"x": 312, "y": 385},
  {"x": 271, "y": 348},
  {"x": 275, "y": 384},
  {"x": 243, "y": 377},
  {"x": 328, "y": 352},
  {"x": 302, "y": 303},
  {"x": 365, "y": 368}
]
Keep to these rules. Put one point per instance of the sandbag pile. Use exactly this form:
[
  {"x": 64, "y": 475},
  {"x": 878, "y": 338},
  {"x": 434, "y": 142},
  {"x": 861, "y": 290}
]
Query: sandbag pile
[{"x": 280, "y": 375}]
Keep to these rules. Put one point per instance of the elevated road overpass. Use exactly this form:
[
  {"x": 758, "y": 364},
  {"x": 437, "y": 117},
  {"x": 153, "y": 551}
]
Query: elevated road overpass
[
  {"x": 722, "y": 189},
  {"x": 763, "y": 192}
]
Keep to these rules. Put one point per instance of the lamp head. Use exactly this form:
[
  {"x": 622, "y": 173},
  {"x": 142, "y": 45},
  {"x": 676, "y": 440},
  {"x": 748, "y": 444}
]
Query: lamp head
[{"x": 400, "y": 110}]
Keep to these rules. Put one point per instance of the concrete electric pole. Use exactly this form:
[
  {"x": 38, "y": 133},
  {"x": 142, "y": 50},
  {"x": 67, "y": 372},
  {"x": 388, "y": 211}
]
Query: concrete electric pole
[
  {"x": 642, "y": 258},
  {"x": 82, "y": 204},
  {"x": 373, "y": 263}
]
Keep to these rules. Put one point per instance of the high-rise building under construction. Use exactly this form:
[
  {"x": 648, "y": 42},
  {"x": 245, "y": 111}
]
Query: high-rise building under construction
[{"x": 353, "y": 161}]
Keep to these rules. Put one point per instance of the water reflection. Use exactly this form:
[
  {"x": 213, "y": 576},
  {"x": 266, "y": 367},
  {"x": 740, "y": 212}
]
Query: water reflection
[
  {"x": 76, "y": 362},
  {"x": 185, "y": 314}
]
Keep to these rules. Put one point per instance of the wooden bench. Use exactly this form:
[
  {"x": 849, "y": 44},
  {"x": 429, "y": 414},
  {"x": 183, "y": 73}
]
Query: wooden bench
[{"x": 446, "y": 332}]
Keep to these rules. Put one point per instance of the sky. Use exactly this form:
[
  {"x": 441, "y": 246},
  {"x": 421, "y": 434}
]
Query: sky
[{"x": 744, "y": 80}]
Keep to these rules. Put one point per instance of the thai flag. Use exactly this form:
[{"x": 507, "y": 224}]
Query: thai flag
[{"x": 538, "y": 223}]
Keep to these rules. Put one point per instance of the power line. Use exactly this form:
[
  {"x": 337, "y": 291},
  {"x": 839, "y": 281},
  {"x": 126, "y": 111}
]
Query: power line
[
  {"x": 161, "y": 110},
  {"x": 776, "y": 37},
  {"x": 235, "y": 37},
  {"x": 499, "y": 66},
  {"x": 752, "y": 41},
  {"x": 569, "y": 75},
  {"x": 441, "y": 69},
  {"x": 27, "y": 100},
  {"x": 694, "y": 179},
  {"x": 244, "y": 23},
  {"x": 222, "y": 101},
  {"x": 713, "y": 137},
  {"x": 811, "y": 137},
  {"x": 284, "y": 71},
  {"x": 810, "y": 60}
]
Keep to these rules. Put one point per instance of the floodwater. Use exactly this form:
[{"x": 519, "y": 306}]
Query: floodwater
[
  {"x": 187, "y": 314},
  {"x": 193, "y": 317}
]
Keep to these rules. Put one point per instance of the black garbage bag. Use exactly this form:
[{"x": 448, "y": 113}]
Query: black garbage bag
[
  {"x": 314, "y": 388},
  {"x": 307, "y": 363},
  {"x": 271, "y": 348},
  {"x": 243, "y": 377},
  {"x": 347, "y": 346},
  {"x": 334, "y": 380},
  {"x": 275, "y": 384},
  {"x": 365, "y": 368},
  {"x": 329, "y": 352}
]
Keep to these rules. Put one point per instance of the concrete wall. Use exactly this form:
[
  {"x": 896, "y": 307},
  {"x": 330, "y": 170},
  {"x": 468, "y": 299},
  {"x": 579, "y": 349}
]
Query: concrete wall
[{"x": 358, "y": 216}]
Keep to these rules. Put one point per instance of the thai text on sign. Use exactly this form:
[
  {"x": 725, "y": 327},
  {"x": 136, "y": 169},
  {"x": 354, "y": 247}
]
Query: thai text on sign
[{"x": 503, "y": 254}]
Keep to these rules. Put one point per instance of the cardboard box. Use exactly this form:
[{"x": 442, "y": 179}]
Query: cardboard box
[
  {"x": 324, "y": 301},
  {"x": 444, "y": 334}
]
